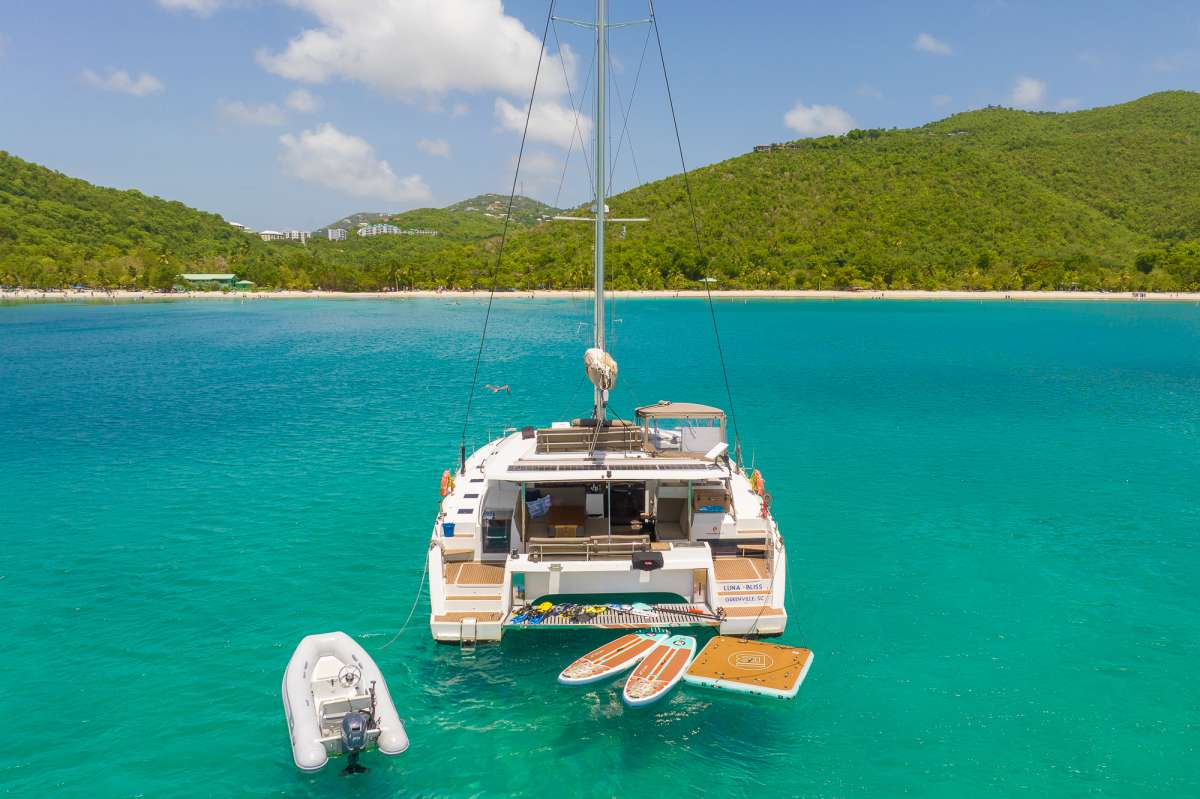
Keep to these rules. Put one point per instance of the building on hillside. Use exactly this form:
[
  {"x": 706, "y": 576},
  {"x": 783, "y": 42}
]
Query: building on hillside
[
  {"x": 271, "y": 235},
  {"x": 762, "y": 148},
  {"x": 238, "y": 225},
  {"x": 336, "y": 234},
  {"x": 392, "y": 230},
  {"x": 379, "y": 230},
  {"x": 297, "y": 235},
  {"x": 206, "y": 280}
]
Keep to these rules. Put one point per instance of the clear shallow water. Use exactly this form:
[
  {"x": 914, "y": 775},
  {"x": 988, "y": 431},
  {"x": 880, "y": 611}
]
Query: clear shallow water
[{"x": 992, "y": 513}]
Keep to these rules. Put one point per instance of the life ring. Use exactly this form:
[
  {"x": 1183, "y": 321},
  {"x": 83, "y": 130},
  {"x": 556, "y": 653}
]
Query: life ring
[{"x": 447, "y": 482}]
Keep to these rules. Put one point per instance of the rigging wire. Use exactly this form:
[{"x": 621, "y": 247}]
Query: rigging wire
[
  {"x": 696, "y": 231},
  {"x": 462, "y": 446},
  {"x": 625, "y": 135},
  {"x": 576, "y": 112}
]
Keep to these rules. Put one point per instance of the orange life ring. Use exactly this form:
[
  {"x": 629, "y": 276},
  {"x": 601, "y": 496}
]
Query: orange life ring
[{"x": 447, "y": 483}]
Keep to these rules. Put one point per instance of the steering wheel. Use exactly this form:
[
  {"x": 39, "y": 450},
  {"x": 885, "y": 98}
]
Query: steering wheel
[{"x": 349, "y": 675}]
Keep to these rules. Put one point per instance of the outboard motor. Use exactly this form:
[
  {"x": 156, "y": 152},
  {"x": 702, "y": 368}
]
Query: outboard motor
[{"x": 354, "y": 740}]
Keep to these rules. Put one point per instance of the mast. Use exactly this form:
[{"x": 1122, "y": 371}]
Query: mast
[{"x": 598, "y": 150}]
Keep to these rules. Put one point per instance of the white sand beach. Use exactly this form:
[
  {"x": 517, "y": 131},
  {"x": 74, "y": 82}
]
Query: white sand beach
[{"x": 124, "y": 295}]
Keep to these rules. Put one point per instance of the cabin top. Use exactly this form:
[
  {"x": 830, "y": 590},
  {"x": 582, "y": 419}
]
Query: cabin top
[
  {"x": 679, "y": 440},
  {"x": 678, "y": 410}
]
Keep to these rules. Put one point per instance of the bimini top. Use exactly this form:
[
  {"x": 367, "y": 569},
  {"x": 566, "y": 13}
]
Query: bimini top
[{"x": 679, "y": 410}]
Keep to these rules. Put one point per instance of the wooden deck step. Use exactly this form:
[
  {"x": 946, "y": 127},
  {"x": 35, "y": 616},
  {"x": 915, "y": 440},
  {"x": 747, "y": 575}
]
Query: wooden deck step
[
  {"x": 474, "y": 573},
  {"x": 753, "y": 610},
  {"x": 474, "y": 598},
  {"x": 478, "y": 615},
  {"x": 728, "y": 569}
]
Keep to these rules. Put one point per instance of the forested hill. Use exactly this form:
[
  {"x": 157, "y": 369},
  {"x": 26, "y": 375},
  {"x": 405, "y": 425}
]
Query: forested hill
[
  {"x": 989, "y": 198},
  {"x": 478, "y": 217},
  {"x": 54, "y": 227},
  {"x": 993, "y": 198}
]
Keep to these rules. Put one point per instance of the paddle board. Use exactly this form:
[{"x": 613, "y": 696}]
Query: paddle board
[
  {"x": 610, "y": 659},
  {"x": 659, "y": 670}
]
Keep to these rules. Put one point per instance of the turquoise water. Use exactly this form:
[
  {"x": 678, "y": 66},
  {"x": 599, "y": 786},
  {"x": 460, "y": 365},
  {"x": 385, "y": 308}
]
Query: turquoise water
[{"x": 992, "y": 514}]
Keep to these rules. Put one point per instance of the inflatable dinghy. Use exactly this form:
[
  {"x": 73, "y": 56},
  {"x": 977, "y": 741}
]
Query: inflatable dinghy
[
  {"x": 659, "y": 671},
  {"x": 613, "y": 658},
  {"x": 337, "y": 703}
]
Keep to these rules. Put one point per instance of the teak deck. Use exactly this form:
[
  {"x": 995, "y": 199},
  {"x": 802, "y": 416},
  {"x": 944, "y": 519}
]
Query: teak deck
[
  {"x": 733, "y": 664},
  {"x": 727, "y": 568},
  {"x": 474, "y": 573}
]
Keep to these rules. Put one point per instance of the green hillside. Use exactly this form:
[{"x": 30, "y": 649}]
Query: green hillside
[
  {"x": 993, "y": 198},
  {"x": 477, "y": 218},
  {"x": 990, "y": 198},
  {"x": 525, "y": 210},
  {"x": 55, "y": 230}
]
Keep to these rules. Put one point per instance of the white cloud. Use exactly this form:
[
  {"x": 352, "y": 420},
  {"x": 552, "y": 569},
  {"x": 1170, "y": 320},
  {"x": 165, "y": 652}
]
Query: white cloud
[
  {"x": 460, "y": 110},
  {"x": 928, "y": 43},
  {"x": 867, "y": 90},
  {"x": 539, "y": 163},
  {"x": 1174, "y": 62},
  {"x": 118, "y": 80},
  {"x": 540, "y": 172},
  {"x": 550, "y": 121},
  {"x": 199, "y": 7},
  {"x": 348, "y": 164},
  {"x": 264, "y": 115},
  {"x": 437, "y": 147},
  {"x": 1028, "y": 92},
  {"x": 1068, "y": 104},
  {"x": 302, "y": 100},
  {"x": 818, "y": 120},
  {"x": 409, "y": 48},
  {"x": 941, "y": 99}
]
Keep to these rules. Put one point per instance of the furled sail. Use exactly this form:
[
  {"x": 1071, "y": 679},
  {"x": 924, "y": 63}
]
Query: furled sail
[{"x": 601, "y": 368}]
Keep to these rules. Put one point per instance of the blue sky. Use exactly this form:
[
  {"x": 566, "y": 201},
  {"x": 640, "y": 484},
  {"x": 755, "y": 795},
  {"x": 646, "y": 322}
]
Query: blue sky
[{"x": 292, "y": 113}]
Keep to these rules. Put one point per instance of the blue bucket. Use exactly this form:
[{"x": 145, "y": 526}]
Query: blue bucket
[{"x": 448, "y": 529}]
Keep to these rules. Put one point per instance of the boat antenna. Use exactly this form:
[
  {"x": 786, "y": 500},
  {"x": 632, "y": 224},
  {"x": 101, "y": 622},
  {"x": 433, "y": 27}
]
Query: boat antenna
[
  {"x": 737, "y": 438},
  {"x": 487, "y": 316}
]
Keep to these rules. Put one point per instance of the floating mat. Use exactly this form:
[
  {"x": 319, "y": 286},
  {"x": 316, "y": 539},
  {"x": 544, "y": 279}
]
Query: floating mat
[{"x": 751, "y": 667}]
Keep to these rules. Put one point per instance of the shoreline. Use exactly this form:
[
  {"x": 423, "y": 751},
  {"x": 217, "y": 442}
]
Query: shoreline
[{"x": 125, "y": 295}]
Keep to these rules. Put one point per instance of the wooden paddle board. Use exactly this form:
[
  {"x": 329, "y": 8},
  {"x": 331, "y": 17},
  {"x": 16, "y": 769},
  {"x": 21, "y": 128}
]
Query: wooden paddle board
[
  {"x": 610, "y": 659},
  {"x": 659, "y": 670}
]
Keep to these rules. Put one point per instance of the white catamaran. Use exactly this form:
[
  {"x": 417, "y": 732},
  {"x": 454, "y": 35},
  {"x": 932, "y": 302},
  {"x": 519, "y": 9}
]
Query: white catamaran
[{"x": 567, "y": 525}]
